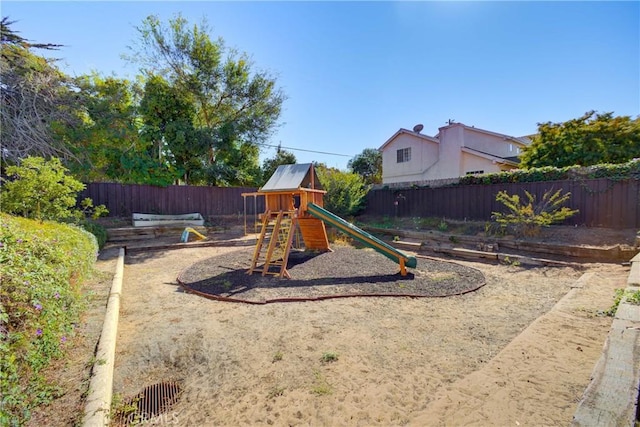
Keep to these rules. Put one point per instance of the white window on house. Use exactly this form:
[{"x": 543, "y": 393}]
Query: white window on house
[
  {"x": 510, "y": 148},
  {"x": 475, "y": 172},
  {"x": 518, "y": 150},
  {"x": 404, "y": 155}
]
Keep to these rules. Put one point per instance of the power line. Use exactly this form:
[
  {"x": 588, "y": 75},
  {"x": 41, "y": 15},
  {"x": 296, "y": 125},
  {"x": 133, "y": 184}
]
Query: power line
[{"x": 308, "y": 151}]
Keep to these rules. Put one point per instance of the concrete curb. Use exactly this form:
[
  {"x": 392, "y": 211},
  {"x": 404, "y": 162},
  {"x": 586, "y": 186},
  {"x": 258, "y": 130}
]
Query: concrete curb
[
  {"x": 612, "y": 396},
  {"x": 98, "y": 405}
]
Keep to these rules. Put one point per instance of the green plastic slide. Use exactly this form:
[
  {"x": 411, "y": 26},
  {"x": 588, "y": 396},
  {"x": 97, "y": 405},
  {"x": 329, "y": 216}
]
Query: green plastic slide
[{"x": 362, "y": 236}]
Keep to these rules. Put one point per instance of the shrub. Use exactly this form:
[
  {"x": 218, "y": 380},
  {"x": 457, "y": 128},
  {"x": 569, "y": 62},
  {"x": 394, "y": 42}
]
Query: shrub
[
  {"x": 526, "y": 218},
  {"x": 43, "y": 190},
  {"x": 42, "y": 265},
  {"x": 97, "y": 230},
  {"x": 616, "y": 172},
  {"x": 40, "y": 189},
  {"x": 346, "y": 191}
]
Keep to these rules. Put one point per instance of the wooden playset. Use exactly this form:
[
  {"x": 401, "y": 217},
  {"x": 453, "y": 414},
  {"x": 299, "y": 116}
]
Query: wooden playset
[
  {"x": 294, "y": 199},
  {"x": 287, "y": 194}
]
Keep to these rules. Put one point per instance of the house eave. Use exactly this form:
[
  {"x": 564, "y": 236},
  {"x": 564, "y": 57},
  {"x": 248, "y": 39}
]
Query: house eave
[
  {"x": 487, "y": 156},
  {"x": 408, "y": 132},
  {"x": 521, "y": 141}
]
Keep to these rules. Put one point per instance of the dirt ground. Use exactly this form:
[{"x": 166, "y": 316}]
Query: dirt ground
[{"x": 517, "y": 351}]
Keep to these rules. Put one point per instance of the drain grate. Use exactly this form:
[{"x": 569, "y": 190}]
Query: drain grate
[{"x": 151, "y": 402}]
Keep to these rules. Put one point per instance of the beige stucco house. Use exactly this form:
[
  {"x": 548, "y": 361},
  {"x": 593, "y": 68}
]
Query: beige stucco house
[{"x": 457, "y": 150}]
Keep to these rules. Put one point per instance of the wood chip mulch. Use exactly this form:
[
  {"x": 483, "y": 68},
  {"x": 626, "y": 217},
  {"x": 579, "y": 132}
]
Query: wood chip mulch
[{"x": 345, "y": 272}]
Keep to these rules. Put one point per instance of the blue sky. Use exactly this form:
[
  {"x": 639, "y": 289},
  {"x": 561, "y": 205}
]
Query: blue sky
[{"x": 356, "y": 72}]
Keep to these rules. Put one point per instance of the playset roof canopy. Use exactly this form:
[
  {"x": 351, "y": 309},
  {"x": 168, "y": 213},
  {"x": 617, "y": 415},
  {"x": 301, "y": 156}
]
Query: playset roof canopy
[{"x": 292, "y": 177}]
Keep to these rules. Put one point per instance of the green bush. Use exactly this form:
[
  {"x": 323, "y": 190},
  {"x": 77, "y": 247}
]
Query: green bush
[
  {"x": 628, "y": 170},
  {"x": 97, "y": 230},
  {"x": 346, "y": 191},
  {"x": 43, "y": 190},
  {"x": 42, "y": 266},
  {"x": 526, "y": 218}
]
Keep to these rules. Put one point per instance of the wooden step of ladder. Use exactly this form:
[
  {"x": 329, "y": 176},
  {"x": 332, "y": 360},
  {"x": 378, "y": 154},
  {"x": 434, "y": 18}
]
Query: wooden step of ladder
[{"x": 274, "y": 244}]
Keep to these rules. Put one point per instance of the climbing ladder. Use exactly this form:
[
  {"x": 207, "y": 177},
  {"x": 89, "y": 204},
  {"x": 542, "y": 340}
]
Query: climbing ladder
[{"x": 274, "y": 244}]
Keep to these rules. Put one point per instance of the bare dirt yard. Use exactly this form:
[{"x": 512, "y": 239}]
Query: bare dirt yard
[{"x": 517, "y": 351}]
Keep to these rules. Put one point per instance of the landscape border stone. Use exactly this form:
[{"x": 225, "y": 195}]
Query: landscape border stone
[
  {"x": 98, "y": 403},
  {"x": 612, "y": 396}
]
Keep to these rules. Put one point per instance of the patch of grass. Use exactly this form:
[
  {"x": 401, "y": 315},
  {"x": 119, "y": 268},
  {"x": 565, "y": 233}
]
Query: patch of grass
[
  {"x": 340, "y": 239},
  {"x": 123, "y": 410},
  {"x": 328, "y": 357},
  {"x": 387, "y": 222},
  {"x": 633, "y": 298},
  {"x": 277, "y": 356},
  {"x": 470, "y": 229},
  {"x": 443, "y": 277},
  {"x": 429, "y": 222},
  {"x": 320, "y": 385},
  {"x": 622, "y": 295},
  {"x": 512, "y": 262},
  {"x": 275, "y": 391}
]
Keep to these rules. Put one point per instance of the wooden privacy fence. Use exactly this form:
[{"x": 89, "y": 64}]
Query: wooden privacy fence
[
  {"x": 123, "y": 200},
  {"x": 601, "y": 202}
]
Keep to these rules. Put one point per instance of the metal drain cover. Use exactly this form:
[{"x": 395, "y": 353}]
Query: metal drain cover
[{"x": 151, "y": 402}]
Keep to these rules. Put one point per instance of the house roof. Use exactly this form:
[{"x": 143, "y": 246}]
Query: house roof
[
  {"x": 513, "y": 161},
  {"x": 408, "y": 132},
  {"x": 291, "y": 177},
  {"x": 520, "y": 140}
]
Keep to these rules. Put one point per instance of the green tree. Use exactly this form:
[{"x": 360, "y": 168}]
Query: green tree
[
  {"x": 282, "y": 157},
  {"x": 107, "y": 142},
  {"x": 35, "y": 97},
  {"x": 43, "y": 190},
  {"x": 346, "y": 191},
  {"x": 235, "y": 106},
  {"x": 127, "y": 129},
  {"x": 234, "y": 162},
  {"x": 168, "y": 116},
  {"x": 588, "y": 140},
  {"x": 368, "y": 165}
]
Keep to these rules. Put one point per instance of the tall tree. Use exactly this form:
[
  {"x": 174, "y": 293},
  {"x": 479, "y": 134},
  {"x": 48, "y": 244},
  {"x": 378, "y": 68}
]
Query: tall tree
[
  {"x": 236, "y": 106},
  {"x": 107, "y": 142},
  {"x": 168, "y": 116},
  {"x": 35, "y": 97},
  {"x": 346, "y": 191},
  {"x": 588, "y": 140},
  {"x": 368, "y": 165},
  {"x": 282, "y": 157}
]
